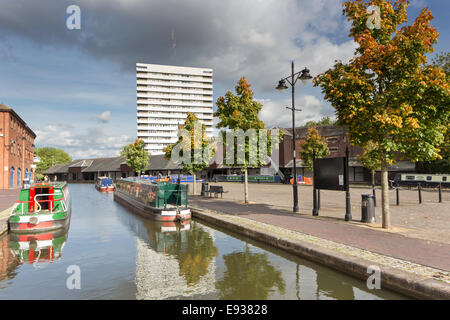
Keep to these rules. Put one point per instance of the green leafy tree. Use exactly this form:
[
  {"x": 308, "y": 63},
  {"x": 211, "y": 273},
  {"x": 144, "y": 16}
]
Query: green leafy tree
[
  {"x": 441, "y": 165},
  {"x": 50, "y": 157},
  {"x": 194, "y": 142},
  {"x": 249, "y": 276},
  {"x": 369, "y": 159},
  {"x": 239, "y": 113},
  {"x": 137, "y": 157},
  {"x": 322, "y": 122},
  {"x": 314, "y": 142},
  {"x": 387, "y": 94}
]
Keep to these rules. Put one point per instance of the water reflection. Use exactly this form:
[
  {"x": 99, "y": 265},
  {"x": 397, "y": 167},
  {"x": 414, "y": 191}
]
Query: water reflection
[
  {"x": 124, "y": 256},
  {"x": 174, "y": 260},
  {"x": 249, "y": 275},
  {"x": 36, "y": 249}
]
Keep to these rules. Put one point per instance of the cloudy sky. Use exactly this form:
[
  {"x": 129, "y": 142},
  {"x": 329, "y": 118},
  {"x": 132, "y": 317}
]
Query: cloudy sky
[{"x": 77, "y": 88}]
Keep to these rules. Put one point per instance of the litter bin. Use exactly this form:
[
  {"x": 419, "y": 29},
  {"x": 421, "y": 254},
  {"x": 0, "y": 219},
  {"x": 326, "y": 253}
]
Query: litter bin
[
  {"x": 204, "y": 189},
  {"x": 367, "y": 208}
]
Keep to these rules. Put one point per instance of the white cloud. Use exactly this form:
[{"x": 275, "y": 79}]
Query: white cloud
[
  {"x": 94, "y": 142},
  {"x": 104, "y": 117},
  {"x": 274, "y": 112}
]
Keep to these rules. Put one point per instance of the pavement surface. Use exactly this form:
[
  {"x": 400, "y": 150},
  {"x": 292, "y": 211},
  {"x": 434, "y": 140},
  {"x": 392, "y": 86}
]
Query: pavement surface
[
  {"x": 428, "y": 221},
  {"x": 7, "y": 199},
  {"x": 425, "y": 252}
]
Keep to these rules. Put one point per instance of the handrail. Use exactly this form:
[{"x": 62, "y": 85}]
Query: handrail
[{"x": 63, "y": 202}]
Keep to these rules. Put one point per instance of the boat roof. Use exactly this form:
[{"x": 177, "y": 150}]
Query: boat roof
[{"x": 57, "y": 184}]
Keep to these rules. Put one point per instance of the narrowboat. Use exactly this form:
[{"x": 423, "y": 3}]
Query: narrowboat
[
  {"x": 161, "y": 201},
  {"x": 104, "y": 184},
  {"x": 42, "y": 207}
]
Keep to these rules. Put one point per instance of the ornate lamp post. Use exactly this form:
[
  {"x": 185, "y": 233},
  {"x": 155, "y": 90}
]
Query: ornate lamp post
[{"x": 304, "y": 76}]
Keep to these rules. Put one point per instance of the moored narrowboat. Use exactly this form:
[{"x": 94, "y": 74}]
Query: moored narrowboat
[
  {"x": 43, "y": 207},
  {"x": 104, "y": 184},
  {"x": 161, "y": 201}
]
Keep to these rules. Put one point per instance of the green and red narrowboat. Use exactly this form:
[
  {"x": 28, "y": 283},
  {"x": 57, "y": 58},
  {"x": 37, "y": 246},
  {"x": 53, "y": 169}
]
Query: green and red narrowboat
[{"x": 43, "y": 207}]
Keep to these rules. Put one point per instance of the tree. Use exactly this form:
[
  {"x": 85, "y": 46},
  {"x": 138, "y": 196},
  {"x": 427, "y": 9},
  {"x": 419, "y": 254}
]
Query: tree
[
  {"x": 50, "y": 157},
  {"x": 136, "y": 156},
  {"x": 314, "y": 143},
  {"x": 322, "y": 122},
  {"x": 441, "y": 165},
  {"x": 239, "y": 113},
  {"x": 369, "y": 159},
  {"x": 192, "y": 148},
  {"x": 387, "y": 94}
]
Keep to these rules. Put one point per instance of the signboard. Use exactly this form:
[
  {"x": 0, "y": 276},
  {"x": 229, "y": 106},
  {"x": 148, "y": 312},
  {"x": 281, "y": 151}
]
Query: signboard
[
  {"x": 37, "y": 160},
  {"x": 329, "y": 174}
]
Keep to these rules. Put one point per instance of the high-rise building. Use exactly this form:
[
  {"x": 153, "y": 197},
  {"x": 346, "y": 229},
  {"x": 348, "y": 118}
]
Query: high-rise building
[{"x": 164, "y": 96}]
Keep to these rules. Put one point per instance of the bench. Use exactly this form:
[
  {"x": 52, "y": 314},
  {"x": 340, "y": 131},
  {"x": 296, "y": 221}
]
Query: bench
[{"x": 216, "y": 190}]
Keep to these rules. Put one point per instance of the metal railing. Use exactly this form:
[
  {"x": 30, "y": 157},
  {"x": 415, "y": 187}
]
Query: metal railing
[{"x": 38, "y": 202}]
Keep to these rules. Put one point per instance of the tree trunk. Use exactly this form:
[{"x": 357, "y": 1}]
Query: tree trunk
[
  {"x": 386, "y": 218},
  {"x": 194, "y": 189},
  {"x": 373, "y": 177},
  {"x": 245, "y": 186}
]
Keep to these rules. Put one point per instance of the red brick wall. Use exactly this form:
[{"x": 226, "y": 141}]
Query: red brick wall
[{"x": 15, "y": 151}]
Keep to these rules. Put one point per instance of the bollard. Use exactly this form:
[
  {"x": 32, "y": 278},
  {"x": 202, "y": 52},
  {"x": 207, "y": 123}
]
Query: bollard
[
  {"x": 318, "y": 199},
  {"x": 374, "y": 196},
  {"x": 440, "y": 193},
  {"x": 315, "y": 212},
  {"x": 419, "y": 188},
  {"x": 398, "y": 195}
]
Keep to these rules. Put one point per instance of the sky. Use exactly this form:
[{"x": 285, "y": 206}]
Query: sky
[{"x": 77, "y": 88}]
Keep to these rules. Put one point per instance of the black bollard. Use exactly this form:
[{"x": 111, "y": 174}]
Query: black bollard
[
  {"x": 419, "y": 188},
  {"x": 398, "y": 195},
  {"x": 374, "y": 196},
  {"x": 318, "y": 199},
  {"x": 440, "y": 192},
  {"x": 315, "y": 212}
]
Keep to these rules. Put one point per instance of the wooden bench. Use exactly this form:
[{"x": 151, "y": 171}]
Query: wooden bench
[{"x": 216, "y": 190}]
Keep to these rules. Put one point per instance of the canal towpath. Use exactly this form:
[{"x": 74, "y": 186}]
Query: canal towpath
[
  {"x": 429, "y": 260},
  {"x": 8, "y": 198}
]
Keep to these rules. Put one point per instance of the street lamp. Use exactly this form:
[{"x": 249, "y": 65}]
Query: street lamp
[{"x": 304, "y": 76}]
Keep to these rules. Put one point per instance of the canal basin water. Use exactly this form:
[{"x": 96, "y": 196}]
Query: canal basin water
[{"x": 123, "y": 256}]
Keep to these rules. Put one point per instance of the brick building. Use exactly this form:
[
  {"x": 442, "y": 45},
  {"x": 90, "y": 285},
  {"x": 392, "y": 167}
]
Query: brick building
[
  {"x": 16, "y": 149},
  {"x": 337, "y": 143}
]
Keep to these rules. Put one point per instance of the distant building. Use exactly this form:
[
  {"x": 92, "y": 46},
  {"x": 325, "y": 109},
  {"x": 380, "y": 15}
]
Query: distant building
[
  {"x": 164, "y": 95},
  {"x": 87, "y": 170},
  {"x": 16, "y": 149},
  {"x": 337, "y": 143}
]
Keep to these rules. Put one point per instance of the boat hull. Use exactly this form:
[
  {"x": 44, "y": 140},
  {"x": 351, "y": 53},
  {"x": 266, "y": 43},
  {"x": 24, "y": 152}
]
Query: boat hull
[
  {"x": 45, "y": 222},
  {"x": 105, "y": 189},
  {"x": 158, "y": 214}
]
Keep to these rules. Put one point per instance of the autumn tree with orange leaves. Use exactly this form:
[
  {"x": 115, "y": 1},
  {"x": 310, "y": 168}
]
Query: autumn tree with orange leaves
[{"x": 387, "y": 96}]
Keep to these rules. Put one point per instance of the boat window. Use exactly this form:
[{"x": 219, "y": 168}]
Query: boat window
[
  {"x": 444, "y": 178},
  {"x": 410, "y": 177},
  {"x": 429, "y": 178}
]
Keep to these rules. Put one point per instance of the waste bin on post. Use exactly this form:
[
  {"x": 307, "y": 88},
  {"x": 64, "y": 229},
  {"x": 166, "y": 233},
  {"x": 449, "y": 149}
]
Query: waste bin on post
[
  {"x": 204, "y": 189},
  {"x": 367, "y": 208}
]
